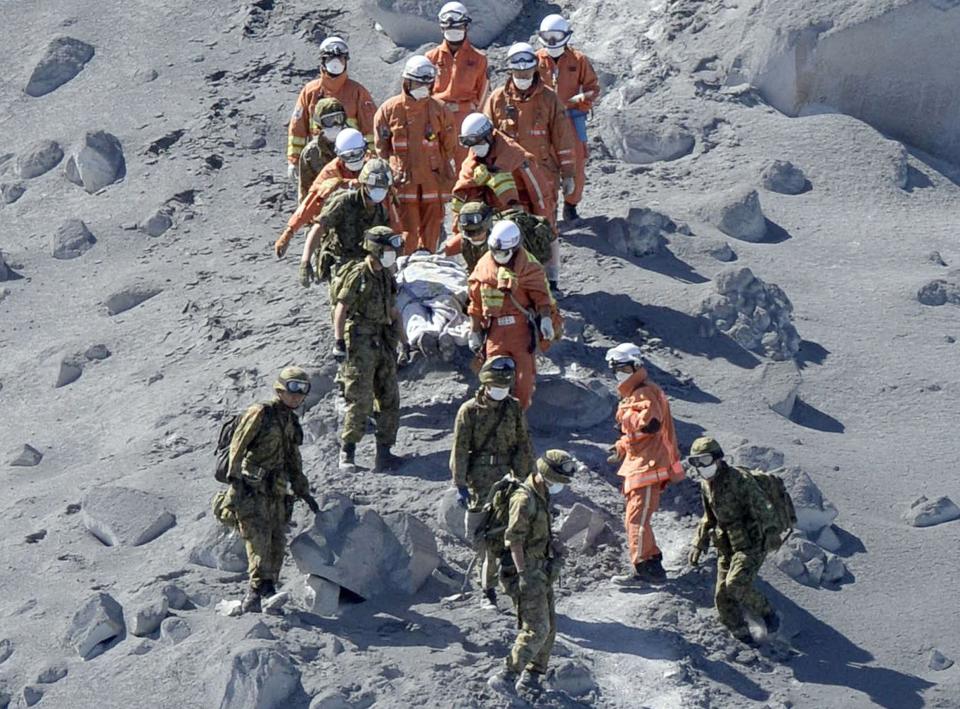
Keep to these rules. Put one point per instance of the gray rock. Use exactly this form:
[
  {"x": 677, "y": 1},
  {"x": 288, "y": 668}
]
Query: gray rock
[
  {"x": 563, "y": 404},
  {"x": 96, "y": 162},
  {"x": 147, "y": 618},
  {"x": 95, "y": 625},
  {"x": 411, "y": 23},
  {"x": 10, "y": 192},
  {"x": 814, "y": 512},
  {"x": 573, "y": 678},
  {"x": 175, "y": 596},
  {"x": 256, "y": 677},
  {"x": 419, "y": 556},
  {"x": 834, "y": 570},
  {"x": 941, "y": 291},
  {"x": 145, "y": 76},
  {"x": 451, "y": 516},
  {"x": 39, "y": 158},
  {"x": 26, "y": 456},
  {"x": 220, "y": 548},
  {"x": 69, "y": 370},
  {"x": 927, "y": 513},
  {"x": 635, "y": 137},
  {"x": 275, "y": 603},
  {"x": 640, "y": 233},
  {"x": 157, "y": 223},
  {"x": 51, "y": 674},
  {"x": 259, "y": 631},
  {"x": 722, "y": 251},
  {"x": 63, "y": 59},
  {"x": 97, "y": 352},
  {"x": 815, "y": 568},
  {"x": 121, "y": 516},
  {"x": 174, "y": 630},
  {"x": 6, "y": 650},
  {"x": 72, "y": 239},
  {"x": 32, "y": 695},
  {"x": 142, "y": 648},
  {"x": 936, "y": 259},
  {"x": 331, "y": 699},
  {"x": 779, "y": 385},
  {"x": 736, "y": 212},
  {"x": 784, "y": 177},
  {"x": 758, "y": 457},
  {"x": 828, "y": 540},
  {"x": 5, "y": 273},
  {"x": 938, "y": 661},
  {"x": 229, "y": 609},
  {"x": 130, "y": 297},
  {"x": 321, "y": 596},
  {"x": 789, "y": 564}
]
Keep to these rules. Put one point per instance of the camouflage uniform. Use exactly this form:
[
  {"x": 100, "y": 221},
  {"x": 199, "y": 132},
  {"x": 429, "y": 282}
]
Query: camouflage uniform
[
  {"x": 490, "y": 441},
  {"x": 738, "y": 518},
  {"x": 471, "y": 254},
  {"x": 369, "y": 373},
  {"x": 314, "y": 157},
  {"x": 529, "y": 526},
  {"x": 346, "y": 216},
  {"x": 264, "y": 459}
]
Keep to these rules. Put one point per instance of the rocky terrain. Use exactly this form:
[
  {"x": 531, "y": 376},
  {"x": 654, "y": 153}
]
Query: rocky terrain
[{"x": 771, "y": 212}]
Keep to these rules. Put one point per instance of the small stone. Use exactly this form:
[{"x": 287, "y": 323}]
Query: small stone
[
  {"x": 51, "y": 674},
  {"x": 322, "y": 596},
  {"x": 147, "y": 618},
  {"x": 229, "y": 609},
  {"x": 927, "y": 513},
  {"x": 828, "y": 539},
  {"x": 938, "y": 661},
  {"x": 63, "y": 59},
  {"x": 95, "y": 625},
  {"x": 176, "y": 597},
  {"x": 936, "y": 259},
  {"x": 157, "y": 223},
  {"x": 142, "y": 648},
  {"x": 260, "y": 631},
  {"x": 32, "y": 695},
  {"x": 71, "y": 240},
  {"x": 39, "y": 158},
  {"x": 274, "y": 605},
  {"x": 69, "y": 371},
  {"x": 784, "y": 177},
  {"x": 174, "y": 630},
  {"x": 835, "y": 570},
  {"x": 6, "y": 650},
  {"x": 779, "y": 385},
  {"x": 220, "y": 548},
  {"x": 737, "y": 213},
  {"x": 145, "y": 76},
  {"x": 97, "y": 352},
  {"x": 96, "y": 162},
  {"x": 10, "y": 192},
  {"x": 27, "y": 456}
]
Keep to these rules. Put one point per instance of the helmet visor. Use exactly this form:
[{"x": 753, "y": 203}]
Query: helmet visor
[
  {"x": 452, "y": 19},
  {"x": 472, "y": 219},
  {"x": 336, "y": 49},
  {"x": 395, "y": 241},
  {"x": 469, "y": 141},
  {"x": 297, "y": 386},
  {"x": 553, "y": 38},
  {"x": 701, "y": 461},
  {"x": 503, "y": 364},
  {"x": 330, "y": 120},
  {"x": 567, "y": 467},
  {"x": 352, "y": 155},
  {"x": 522, "y": 61}
]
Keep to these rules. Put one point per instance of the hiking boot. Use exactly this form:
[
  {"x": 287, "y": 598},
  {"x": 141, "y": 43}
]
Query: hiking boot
[
  {"x": 348, "y": 452},
  {"x": 555, "y": 290},
  {"x": 488, "y": 601},
  {"x": 744, "y": 636},
  {"x": 772, "y": 621},
  {"x": 529, "y": 684},
  {"x": 631, "y": 578},
  {"x": 385, "y": 460},
  {"x": 652, "y": 569},
  {"x": 267, "y": 589},
  {"x": 570, "y": 212},
  {"x": 504, "y": 682},
  {"x": 251, "y": 601}
]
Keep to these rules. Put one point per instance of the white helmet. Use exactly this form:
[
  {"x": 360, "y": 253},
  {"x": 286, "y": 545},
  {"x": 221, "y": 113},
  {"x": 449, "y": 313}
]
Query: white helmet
[
  {"x": 334, "y": 47},
  {"x": 349, "y": 140},
  {"x": 626, "y": 353},
  {"x": 453, "y": 14},
  {"x": 504, "y": 236},
  {"x": 554, "y": 31},
  {"x": 418, "y": 68},
  {"x": 475, "y": 128},
  {"x": 521, "y": 56}
]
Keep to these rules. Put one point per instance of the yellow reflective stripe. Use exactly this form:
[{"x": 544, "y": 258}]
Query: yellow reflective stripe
[
  {"x": 504, "y": 273},
  {"x": 329, "y": 183},
  {"x": 502, "y": 182},
  {"x": 297, "y": 141},
  {"x": 491, "y": 297}
]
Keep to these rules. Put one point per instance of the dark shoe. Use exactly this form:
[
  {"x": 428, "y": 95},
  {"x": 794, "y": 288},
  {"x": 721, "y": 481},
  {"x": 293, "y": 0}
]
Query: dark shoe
[
  {"x": 652, "y": 569},
  {"x": 529, "y": 684},
  {"x": 385, "y": 460},
  {"x": 251, "y": 601},
  {"x": 348, "y": 452},
  {"x": 504, "y": 682},
  {"x": 489, "y": 600},
  {"x": 267, "y": 589},
  {"x": 570, "y": 212},
  {"x": 772, "y": 621}
]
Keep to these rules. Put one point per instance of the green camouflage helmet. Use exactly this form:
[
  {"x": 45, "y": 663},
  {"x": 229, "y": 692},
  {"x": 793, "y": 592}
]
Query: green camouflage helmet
[
  {"x": 475, "y": 216},
  {"x": 329, "y": 107},
  {"x": 377, "y": 238},
  {"x": 294, "y": 380},
  {"x": 706, "y": 445},
  {"x": 557, "y": 466},
  {"x": 498, "y": 371},
  {"x": 376, "y": 173}
]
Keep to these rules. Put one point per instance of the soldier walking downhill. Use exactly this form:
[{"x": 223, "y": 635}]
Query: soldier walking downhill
[{"x": 264, "y": 460}]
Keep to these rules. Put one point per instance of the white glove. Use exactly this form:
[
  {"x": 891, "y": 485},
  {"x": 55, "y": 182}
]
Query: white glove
[
  {"x": 291, "y": 171},
  {"x": 579, "y": 98},
  {"x": 546, "y": 328},
  {"x": 568, "y": 186},
  {"x": 474, "y": 341}
]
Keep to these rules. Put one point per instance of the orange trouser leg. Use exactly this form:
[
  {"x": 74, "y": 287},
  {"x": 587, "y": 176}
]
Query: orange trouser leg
[
  {"x": 514, "y": 341},
  {"x": 431, "y": 222},
  {"x": 410, "y": 217},
  {"x": 580, "y": 153},
  {"x": 641, "y": 504}
]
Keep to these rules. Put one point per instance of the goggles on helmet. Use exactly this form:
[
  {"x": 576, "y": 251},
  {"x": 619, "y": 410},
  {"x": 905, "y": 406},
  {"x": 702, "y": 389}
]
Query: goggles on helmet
[
  {"x": 330, "y": 120},
  {"x": 352, "y": 155},
  {"x": 522, "y": 61},
  {"x": 701, "y": 461},
  {"x": 553, "y": 38},
  {"x": 450, "y": 20},
  {"x": 297, "y": 386},
  {"x": 469, "y": 141},
  {"x": 503, "y": 364},
  {"x": 335, "y": 49},
  {"x": 472, "y": 219},
  {"x": 566, "y": 468},
  {"x": 396, "y": 241}
]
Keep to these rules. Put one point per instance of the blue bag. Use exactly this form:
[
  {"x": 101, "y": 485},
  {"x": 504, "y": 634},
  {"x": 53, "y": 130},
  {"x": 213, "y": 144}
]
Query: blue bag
[{"x": 579, "y": 119}]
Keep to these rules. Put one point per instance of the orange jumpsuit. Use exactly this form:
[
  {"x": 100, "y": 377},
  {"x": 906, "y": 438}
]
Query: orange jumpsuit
[
  {"x": 357, "y": 104},
  {"x": 508, "y": 330},
  {"x": 569, "y": 75},
  {"x": 648, "y": 447},
  {"x": 461, "y": 83},
  {"x": 515, "y": 177},
  {"x": 537, "y": 120},
  {"x": 417, "y": 138},
  {"x": 331, "y": 177}
]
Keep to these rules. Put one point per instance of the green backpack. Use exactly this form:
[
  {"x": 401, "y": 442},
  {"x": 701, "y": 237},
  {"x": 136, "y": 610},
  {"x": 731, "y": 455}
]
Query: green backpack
[
  {"x": 537, "y": 233},
  {"x": 496, "y": 509},
  {"x": 776, "y": 492}
]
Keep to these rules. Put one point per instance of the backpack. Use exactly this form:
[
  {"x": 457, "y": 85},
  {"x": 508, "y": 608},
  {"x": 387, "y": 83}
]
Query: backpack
[
  {"x": 776, "y": 492},
  {"x": 496, "y": 509},
  {"x": 537, "y": 233},
  {"x": 222, "y": 452}
]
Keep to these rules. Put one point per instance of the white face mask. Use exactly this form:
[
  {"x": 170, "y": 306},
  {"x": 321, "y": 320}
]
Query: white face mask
[
  {"x": 555, "y": 488},
  {"x": 334, "y": 67},
  {"x": 708, "y": 472},
  {"x": 622, "y": 376},
  {"x": 497, "y": 393},
  {"x": 523, "y": 84},
  {"x": 480, "y": 150},
  {"x": 454, "y": 35},
  {"x": 331, "y": 133},
  {"x": 420, "y": 93},
  {"x": 478, "y": 241},
  {"x": 503, "y": 258},
  {"x": 389, "y": 258},
  {"x": 355, "y": 166},
  {"x": 376, "y": 194},
  {"x": 556, "y": 52}
]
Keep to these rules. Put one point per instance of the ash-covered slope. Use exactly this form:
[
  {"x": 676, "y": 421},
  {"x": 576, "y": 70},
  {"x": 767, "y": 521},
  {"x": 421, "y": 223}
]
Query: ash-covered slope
[{"x": 176, "y": 281}]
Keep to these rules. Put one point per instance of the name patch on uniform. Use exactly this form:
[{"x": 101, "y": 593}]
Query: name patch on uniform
[{"x": 506, "y": 320}]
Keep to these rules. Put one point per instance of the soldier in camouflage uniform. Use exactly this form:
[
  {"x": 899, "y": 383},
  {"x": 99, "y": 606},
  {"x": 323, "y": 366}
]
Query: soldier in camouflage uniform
[
  {"x": 741, "y": 522},
  {"x": 368, "y": 330},
  {"x": 536, "y": 568},
  {"x": 475, "y": 219},
  {"x": 264, "y": 460},
  {"x": 329, "y": 115},
  {"x": 490, "y": 441}
]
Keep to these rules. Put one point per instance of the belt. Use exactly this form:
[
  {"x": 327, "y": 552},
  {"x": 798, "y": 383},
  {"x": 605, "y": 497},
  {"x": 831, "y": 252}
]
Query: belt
[
  {"x": 368, "y": 329},
  {"x": 491, "y": 459}
]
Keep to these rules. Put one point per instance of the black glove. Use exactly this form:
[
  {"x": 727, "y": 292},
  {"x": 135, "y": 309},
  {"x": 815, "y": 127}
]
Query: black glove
[
  {"x": 463, "y": 496},
  {"x": 404, "y": 358},
  {"x": 311, "y": 502},
  {"x": 651, "y": 427},
  {"x": 340, "y": 350}
]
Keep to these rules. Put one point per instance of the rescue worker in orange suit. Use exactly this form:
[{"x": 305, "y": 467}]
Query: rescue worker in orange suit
[
  {"x": 531, "y": 114},
  {"x": 333, "y": 82},
  {"x": 415, "y": 134},
  {"x": 569, "y": 73},
  {"x": 461, "y": 69},
  {"x": 648, "y": 457},
  {"x": 510, "y": 306},
  {"x": 342, "y": 171}
]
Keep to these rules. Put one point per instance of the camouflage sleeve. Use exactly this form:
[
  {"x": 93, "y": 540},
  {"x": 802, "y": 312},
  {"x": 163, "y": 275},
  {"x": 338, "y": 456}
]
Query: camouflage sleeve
[
  {"x": 522, "y": 458},
  {"x": 298, "y": 481},
  {"x": 243, "y": 434},
  {"x": 518, "y": 526},
  {"x": 707, "y": 523},
  {"x": 460, "y": 452},
  {"x": 349, "y": 288}
]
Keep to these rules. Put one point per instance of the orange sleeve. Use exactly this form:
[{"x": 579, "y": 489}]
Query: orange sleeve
[
  {"x": 453, "y": 245},
  {"x": 483, "y": 81},
  {"x": 589, "y": 84},
  {"x": 562, "y": 137},
  {"x": 381, "y": 131},
  {"x": 298, "y": 131},
  {"x": 475, "y": 306},
  {"x": 366, "y": 109},
  {"x": 638, "y": 414}
]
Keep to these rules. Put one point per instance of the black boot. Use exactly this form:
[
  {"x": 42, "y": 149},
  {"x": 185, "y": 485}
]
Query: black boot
[
  {"x": 348, "y": 452},
  {"x": 251, "y": 601},
  {"x": 772, "y": 621},
  {"x": 652, "y": 569},
  {"x": 385, "y": 460},
  {"x": 570, "y": 212}
]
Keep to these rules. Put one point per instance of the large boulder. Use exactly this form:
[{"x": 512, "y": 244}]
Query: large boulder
[
  {"x": 71, "y": 239},
  {"x": 97, "y": 161},
  {"x": 121, "y": 516},
  {"x": 779, "y": 386},
  {"x": 640, "y": 233},
  {"x": 63, "y": 59},
  {"x": 256, "y": 677},
  {"x": 814, "y": 511},
  {"x": 411, "y": 23},
  {"x": 924, "y": 512},
  {"x": 564, "y": 404},
  {"x": 736, "y": 212},
  {"x": 95, "y": 625},
  {"x": 321, "y": 596},
  {"x": 220, "y": 548},
  {"x": 419, "y": 557},
  {"x": 756, "y": 315},
  {"x": 39, "y": 158},
  {"x": 635, "y": 137}
]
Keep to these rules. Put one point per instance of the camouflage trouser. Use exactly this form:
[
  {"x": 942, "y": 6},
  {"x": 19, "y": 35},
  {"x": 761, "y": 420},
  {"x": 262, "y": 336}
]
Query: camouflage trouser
[
  {"x": 369, "y": 376},
  {"x": 735, "y": 590},
  {"x": 537, "y": 618},
  {"x": 262, "y": 521}
]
